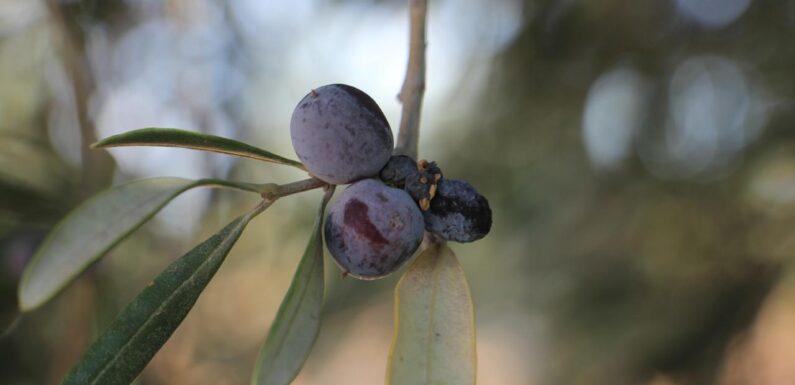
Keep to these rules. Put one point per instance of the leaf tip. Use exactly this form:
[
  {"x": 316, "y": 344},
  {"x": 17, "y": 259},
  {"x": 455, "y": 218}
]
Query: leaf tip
[
  {"x": 29, "y": 297},
  {"x": 26, "y": 302}
]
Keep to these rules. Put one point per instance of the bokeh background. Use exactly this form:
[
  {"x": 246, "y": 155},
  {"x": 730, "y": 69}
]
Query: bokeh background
[{"x": 639, "y": 156}]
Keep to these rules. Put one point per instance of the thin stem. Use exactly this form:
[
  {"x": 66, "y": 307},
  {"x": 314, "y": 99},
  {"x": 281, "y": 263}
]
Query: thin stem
[
  {"x": 271, "y": 193},
  {"x": 243, "y": 186},
  {"x": 263, "y": 204},
  {"x": 328, "y": 191},
  {"x": 414, "y": 83},
  {"x": 278, "y": 191}
]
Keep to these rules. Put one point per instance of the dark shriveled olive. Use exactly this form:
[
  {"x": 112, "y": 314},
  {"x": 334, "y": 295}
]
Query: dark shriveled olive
[{"x": 458, "y": 212}]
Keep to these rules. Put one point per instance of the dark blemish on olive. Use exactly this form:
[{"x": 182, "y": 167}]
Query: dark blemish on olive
[{"x": 356, "y": 217}]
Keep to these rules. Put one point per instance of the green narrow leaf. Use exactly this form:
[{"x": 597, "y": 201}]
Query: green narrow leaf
[
  {"x": 434, "y": 339},
  {"x": 297, "y": 323},
  {"x": 171, "y": 137},
  {"x": 93, "y": 228},
  {"x": 130, "y": 342}
]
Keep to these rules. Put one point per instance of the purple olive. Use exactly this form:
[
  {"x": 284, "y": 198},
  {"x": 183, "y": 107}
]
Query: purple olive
[
  {"x": 372, "y": 229},
  {"x": 340, "y": 134}
]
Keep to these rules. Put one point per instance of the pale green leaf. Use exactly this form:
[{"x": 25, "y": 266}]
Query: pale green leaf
[
  {"x": 171, "y": 137},
  {"x": 434, "y": 338},
  {"x": 93, "y": 228},
  {"x": 130, "y": 342},
  {"x": 297, "y": 322}
]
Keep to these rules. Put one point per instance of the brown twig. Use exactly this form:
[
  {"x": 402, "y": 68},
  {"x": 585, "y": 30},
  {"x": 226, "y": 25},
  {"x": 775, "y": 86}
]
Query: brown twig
[
  {"x": 97, "y": 166},
  {"x": 414, "y": 83}
]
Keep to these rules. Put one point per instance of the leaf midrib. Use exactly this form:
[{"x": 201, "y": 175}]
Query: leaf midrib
[
  {"x": 303, "y": 289},
  {"x": 95, "y": 235},
  {"x": 195, "y": 141},
  {"x": 159, "y": 309},
  {"x": 432, "y": 318},
  {"x": 242, "y": 154}
]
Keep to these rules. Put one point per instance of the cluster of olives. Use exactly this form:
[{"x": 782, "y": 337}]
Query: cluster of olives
[{"x": 378, "y": 222}]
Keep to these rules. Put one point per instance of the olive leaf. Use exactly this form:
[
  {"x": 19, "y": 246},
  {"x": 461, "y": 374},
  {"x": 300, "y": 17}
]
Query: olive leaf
[
  {"x": 434, "y": 338},
  {"x": 172, "y": 137},
  {"x": 94, "y": 227},
  {"x": 297, "y": 323},
  {"x": 130, "y": 342}
]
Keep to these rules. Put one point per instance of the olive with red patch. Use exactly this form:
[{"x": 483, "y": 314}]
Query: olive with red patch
[
  {"x": 372, "y": 229},
  {"x": 340, "y": 134}
]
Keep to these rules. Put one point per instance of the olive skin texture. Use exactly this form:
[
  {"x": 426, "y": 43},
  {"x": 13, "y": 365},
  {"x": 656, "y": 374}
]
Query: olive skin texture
[
  {"x": 423, "y": 184},
  {"x": 397, "y": 169},
  {"x": 458, "y": 212},
  {"x": 340, "y": 134},
  {"x": 419, "y": 179},
  {"x": 372, "y": 229}
]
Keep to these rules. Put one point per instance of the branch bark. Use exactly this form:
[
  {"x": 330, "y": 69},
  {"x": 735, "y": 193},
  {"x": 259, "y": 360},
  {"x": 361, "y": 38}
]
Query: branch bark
[
  {"x": 413, "y": 89},
  {"x": 97, "y": 166}
]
